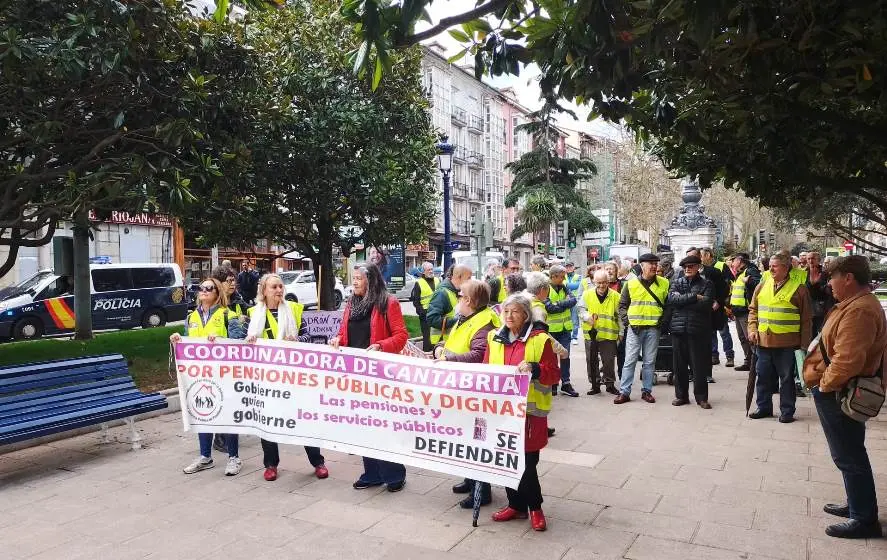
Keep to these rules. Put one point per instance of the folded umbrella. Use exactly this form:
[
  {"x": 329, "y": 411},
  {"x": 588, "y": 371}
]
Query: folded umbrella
[{"x": 752, "y": 379}]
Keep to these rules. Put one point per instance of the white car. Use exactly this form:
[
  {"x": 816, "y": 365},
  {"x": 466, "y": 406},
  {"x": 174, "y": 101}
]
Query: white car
[
  {"x": 302, "y": 287},
  {"x": 404, "y": 293}
]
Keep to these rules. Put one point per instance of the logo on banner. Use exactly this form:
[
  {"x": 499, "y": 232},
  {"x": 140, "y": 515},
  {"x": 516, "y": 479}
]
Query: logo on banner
[{"x": 204, "y": 400}]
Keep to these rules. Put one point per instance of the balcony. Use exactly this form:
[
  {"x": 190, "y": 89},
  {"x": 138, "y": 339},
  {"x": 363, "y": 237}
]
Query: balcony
[
  {"x": 476, "y": 195},
  {"x": 460, "y": 190},
  {"x": 475, "y": 124},
  {"x": 459, "y": 116},
  {"x": 475, "y": 160},
  {"x": 460, "y": 154},
  {"x": 462, "y": 227}
]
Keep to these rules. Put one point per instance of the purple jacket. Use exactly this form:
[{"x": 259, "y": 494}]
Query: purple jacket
[{"x": 478, "y": 347}]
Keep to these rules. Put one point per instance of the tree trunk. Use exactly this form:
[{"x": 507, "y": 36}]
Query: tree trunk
[
  {"x": 82, "y": 291},
  {"x": 323, "y": 261}
]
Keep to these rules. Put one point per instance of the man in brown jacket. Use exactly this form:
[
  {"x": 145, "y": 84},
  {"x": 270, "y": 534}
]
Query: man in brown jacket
[
  {"x": 854, "y": 338},
  {"x": 780, "y": 321}
]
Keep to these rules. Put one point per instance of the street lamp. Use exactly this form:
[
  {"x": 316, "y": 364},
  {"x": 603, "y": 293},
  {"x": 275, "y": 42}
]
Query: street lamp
[{"x": 445, "y": 163}]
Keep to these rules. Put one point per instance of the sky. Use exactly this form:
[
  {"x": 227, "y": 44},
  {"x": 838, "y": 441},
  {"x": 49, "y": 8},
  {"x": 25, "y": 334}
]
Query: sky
[{"x": 525, "y": 85}]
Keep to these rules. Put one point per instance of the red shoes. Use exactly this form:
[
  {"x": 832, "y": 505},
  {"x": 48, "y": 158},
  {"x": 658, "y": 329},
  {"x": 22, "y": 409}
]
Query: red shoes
[
  {"x": 537, "y": 519},
  {"x": 271, "y": 474},
  {"x": 507, "y": 514},
  {"x": 321, "y": 472}
]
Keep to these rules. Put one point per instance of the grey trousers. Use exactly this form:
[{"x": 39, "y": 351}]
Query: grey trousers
[
  {"x": 742, "y": 331},
  {"x": 607, "y": 351}
]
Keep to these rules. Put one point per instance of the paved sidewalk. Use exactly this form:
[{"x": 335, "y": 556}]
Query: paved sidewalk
[{"x": 634, "y": 481}]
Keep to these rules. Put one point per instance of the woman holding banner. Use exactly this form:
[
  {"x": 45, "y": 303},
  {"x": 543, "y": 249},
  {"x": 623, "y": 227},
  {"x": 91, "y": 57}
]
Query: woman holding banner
[
  {"x": 210, "y": 320},
  {"x": 520, "y": 343},
  {"x": 467, "y": 343},
  {"x": 275, "y": 318},
  {"x": 373, "y": 321}
]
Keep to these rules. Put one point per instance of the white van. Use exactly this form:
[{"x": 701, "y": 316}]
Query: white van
[
  {"x": 469, "y": 259},
  {"x": 123, "y": 296}
]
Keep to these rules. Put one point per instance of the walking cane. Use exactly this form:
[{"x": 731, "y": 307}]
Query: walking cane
[{"x": 475, "y": 512}]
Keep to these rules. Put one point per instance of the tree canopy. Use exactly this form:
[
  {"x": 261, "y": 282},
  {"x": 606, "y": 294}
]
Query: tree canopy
[{"x": 784, "y": 99}]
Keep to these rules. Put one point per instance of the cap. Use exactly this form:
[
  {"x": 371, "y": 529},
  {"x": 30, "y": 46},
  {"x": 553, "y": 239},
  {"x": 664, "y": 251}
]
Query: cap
[
  {"x": 569, "y": 263},
  {"x": 648, "y": 257},
  {"x": 692, "y": 259}
]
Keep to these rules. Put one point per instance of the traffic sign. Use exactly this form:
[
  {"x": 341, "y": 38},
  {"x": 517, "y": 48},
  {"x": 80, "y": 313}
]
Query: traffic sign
[
  {"x": 848, "y": 246},
  {"x": 455, "y": 244}
]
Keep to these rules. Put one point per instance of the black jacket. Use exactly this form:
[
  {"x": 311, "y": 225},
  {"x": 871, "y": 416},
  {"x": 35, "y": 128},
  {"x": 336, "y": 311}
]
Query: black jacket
[
  {"x": 721, "y": 295},
  {"x": 752, "y": 279},
  {"x": 688, "y": 313}
]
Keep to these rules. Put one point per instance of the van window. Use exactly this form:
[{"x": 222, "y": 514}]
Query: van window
[
  {"x": 61, "y": 287},
  {"x": 160, "y": 277},
  {"x": 111, "y": 279}
]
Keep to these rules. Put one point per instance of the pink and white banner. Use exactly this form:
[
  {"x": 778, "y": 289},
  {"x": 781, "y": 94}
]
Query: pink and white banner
[{"x": 460, "y": 419}]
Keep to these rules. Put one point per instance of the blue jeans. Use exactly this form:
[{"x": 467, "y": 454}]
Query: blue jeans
[
  {"x": 377, "y": 471},
  {"x": 846, "y": 442},
  {"x": 776, "y": 368},
  {"x": 727, "y": 339},
  {"x": 646, "y": 342},
  {"x": 574, "y": 316},
  {"x": 564, "y": 338},
  {"x": 206, "y": 444}
]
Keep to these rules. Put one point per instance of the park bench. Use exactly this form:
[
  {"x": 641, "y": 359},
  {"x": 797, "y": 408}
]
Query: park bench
[{"x": 44, "y": 398}]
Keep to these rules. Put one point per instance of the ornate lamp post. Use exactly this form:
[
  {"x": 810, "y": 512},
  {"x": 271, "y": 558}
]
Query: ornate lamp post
[{"x": 445, "y": 164}]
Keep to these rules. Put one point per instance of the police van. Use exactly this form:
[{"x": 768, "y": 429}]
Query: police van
[{"x": 123, "y": 296}]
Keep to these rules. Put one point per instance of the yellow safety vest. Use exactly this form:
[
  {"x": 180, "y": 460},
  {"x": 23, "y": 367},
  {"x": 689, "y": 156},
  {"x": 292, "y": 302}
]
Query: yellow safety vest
[
  {"x": 720, "y": 265},
  {"x": 500, "y": 297},
  {"x": 586, "y": 284},
  {"x": 436, "y": 333},
  {"x": 798, "y": 274},
  {"x": 558, "y": 322},
  {"x": 426, "y": 291},
  {"x": 238, "y": 309},
  {"x": 538, "y": 395},
  {"x": 644, "y": 311},
  {"x": 539, "y": 305},
  {"x": 217, "y": 324},
  {"x": 737, "y": 293},
  {"x": 776, "y": 313},
  {"x": 460, "y": 338},
  {"x": 271, "y": 322},
  {"x": 606, "y": 325}
]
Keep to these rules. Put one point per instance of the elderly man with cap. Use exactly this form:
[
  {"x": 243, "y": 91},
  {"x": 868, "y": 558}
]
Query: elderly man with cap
[
  {"x": 689, "y": 299},
  {"x": 641, "y": 307},
  {"x": 574, "y": 283}
]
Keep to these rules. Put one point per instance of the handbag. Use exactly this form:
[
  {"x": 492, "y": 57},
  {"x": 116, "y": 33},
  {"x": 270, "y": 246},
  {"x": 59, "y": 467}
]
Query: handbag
[{"x": 863, "y": 396}]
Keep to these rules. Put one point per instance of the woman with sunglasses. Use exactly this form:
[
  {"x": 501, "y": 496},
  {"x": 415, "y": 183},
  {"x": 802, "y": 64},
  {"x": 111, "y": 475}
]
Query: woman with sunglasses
[
  {"x": 213, "y": 319},
  {"x": 277, "y": 319},
  {"x": 373, "y": 321}
]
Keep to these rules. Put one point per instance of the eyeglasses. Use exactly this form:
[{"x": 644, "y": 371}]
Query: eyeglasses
[
  {"x": 206, "y": 289},
  {"x": 230, "y": 280}
]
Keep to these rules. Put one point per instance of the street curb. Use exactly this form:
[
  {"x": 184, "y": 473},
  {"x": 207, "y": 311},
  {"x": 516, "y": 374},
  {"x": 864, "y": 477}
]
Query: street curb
[{"x": 173, "y": 405}]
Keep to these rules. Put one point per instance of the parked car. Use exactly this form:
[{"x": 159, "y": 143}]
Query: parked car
[
  {"x": 301, "y": 286},
  {"x": 403, "y": 294}
]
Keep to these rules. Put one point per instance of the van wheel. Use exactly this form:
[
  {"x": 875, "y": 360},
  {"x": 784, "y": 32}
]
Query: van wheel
[
  {"x": 337, "y": 296},
  {"x": 29, "y": 328},
  {"x": 153, "y": 318}
]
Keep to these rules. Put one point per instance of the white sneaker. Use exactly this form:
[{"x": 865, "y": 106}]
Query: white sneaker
[
  {"x": 575, "y": 342},
  {"x": 201, "y": 464},
  {"x": 233, "y": 467}
]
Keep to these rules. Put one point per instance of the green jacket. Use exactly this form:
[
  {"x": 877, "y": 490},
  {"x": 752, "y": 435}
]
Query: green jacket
[{"x": 440, "y": 307}]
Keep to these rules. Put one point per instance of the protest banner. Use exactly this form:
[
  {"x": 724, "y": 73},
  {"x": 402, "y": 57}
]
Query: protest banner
[
  {"x": 460, "y": 419},
  {"x": 322, "y": 325}
]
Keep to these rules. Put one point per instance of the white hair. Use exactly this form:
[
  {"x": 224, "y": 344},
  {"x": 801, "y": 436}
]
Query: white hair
[
  {"x": 533, "y": 314},
  {"x": 537, "y": 281},
  {"x": 601, "y": 276}
]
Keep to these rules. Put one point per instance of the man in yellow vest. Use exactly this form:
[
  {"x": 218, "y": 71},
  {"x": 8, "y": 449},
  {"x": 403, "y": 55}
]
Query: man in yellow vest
[
  {"x": 641, "y": 307},
  {"x": 496, "y": 281},
  {"x": 423, "y": 289},
  {"x": 442, "y": 308},
  {"x": 747, "y": 278},
  {"x": 599, "y": 312},
  {"x": 559, "y": 307},
  {"x": 780, "y": 321}
]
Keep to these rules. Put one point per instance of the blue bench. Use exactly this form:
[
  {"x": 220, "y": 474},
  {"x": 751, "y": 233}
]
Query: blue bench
[{"x": 44, "y": 398}]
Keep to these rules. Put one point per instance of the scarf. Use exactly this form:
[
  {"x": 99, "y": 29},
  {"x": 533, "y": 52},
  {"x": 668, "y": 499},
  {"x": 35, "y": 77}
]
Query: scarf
[
  {"x": 286, "y": 322},
  {"x": 361, "y": 306}
]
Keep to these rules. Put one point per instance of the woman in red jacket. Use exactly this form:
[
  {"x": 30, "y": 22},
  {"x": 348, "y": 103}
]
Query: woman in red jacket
[
  {"x": 521, "y": 344},
  {"x": 373, "y": 321}
]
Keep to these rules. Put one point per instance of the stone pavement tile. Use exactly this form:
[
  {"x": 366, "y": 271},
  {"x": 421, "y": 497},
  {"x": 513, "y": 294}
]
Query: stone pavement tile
[
  {"x": 734, "y": 478},
  {"x": 691, "y": 507},
  {"x": 614, "y": 497},
  {"x": 344, "y": 516},
  {"x": 87, "y": 488},
  {"x": 812, "y": 459},
  {"x": 180, "y": 542},
  {"x": 650, "y": 548},
  {"x": 579, "y": 554},
  {"x": 760, "y": 500},
  {"x": 735, "y": 453},
  {"x": 816, "y": 505},
  {"x": 699, "y": 459},
  {"x": 555, "y": 486},
  {"x": 649, "y": 524},
  {"x": 418, "y": 531},
  {"x": 268, "y": 500},
  {"x": 773, "y": 471},
  {"x": 669, "y": 487},
  {"x": 601, "y": 477},
  {"x": 458, "y": 517},
  {"x": 775, "y": 444},
  {"x": 117, "y": 524},
  {"x": 25, "y": 539},
  {"x": 16, "y": 496},
  {"x": 423, "y": 484},
  {"x": 58, "y": 511},
  {"x": 609, "y": 543},
  {"x": 777, "y": 545},
  {"x": 826, "y": 548},
  {"x": 484, "y": 544},
  {"x": 833, "y": 475},
  {"x": 90, "y": 549},
  {"x": 272, "y": 531},
  {"x": 805, "y": 488},
  {"x": 644, "y": 467},
  {"x": 571, "y": 510},
  {"x": 618, "y": 449},
  {"x": 332, "y": 490},
  {"x": 418, "y": 504},
  {"x": 410, "y": 552}
]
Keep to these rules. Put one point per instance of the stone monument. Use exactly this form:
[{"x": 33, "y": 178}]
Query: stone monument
[{"x": 691, "y": 227}]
